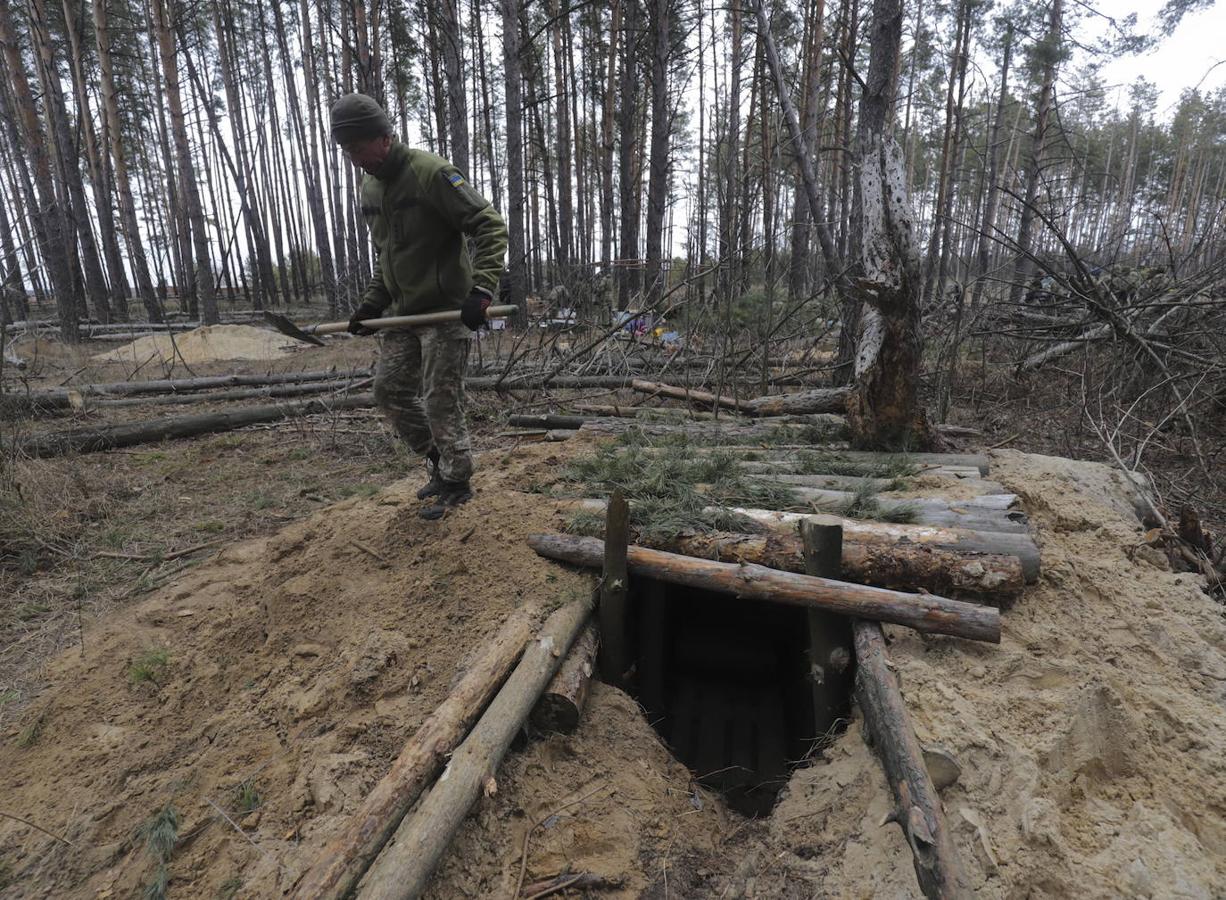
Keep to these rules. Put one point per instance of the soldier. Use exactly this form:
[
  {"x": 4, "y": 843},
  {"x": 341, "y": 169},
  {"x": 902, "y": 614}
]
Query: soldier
[{"x": 419, "y": 207}]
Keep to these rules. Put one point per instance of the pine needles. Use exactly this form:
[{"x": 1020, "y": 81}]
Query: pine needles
[
  {"x": 673, "y": 488},
  {"x": 160, "y": 834},
  {"x": 864, "y": 504}
]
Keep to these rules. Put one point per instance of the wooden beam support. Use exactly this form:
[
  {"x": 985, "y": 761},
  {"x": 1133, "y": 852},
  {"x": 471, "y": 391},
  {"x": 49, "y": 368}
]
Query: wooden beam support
[
  {"x": 561, "y": 705},
  {"x": 924, "y": 612},
  {"x": 348, "y": 855},
  {"x": 615, "y": 658},
  {"x": 404, "y": 867}
]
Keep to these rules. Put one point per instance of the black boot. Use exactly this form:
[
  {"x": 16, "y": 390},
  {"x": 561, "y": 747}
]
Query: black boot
[
  {"x": 453, "y": 493},
  {"x": 432, "y": 487}
]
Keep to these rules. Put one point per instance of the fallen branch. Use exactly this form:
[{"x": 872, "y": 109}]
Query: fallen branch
[{"x": 687, "y": 395}]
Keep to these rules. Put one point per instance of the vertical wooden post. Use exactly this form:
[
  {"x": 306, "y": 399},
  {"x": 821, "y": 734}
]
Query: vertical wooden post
[
  {"x": 614, "y": 654},
  {"x": 830, "y": 641},
  {"x": 918, "y": 809}
]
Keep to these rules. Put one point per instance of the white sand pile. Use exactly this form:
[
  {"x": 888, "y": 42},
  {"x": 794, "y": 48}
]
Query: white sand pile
[{"x": 209, "y": 343}]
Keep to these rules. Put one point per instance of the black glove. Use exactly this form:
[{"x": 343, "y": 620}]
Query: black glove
[
  {"x": 472, "y": 313},
  {"x": 365, "y": 310}
]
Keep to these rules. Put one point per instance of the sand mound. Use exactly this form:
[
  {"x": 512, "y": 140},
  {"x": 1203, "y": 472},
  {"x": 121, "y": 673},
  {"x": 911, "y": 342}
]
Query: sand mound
[
  {"x": 1091, "y": 741},
  {"x": 209, "y": 343}
]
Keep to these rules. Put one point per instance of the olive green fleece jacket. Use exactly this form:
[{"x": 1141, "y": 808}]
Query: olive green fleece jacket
[{"x": 419, "y": 207}]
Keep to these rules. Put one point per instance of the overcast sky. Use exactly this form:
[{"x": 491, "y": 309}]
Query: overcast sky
[{"x": 1180, "y": 61}]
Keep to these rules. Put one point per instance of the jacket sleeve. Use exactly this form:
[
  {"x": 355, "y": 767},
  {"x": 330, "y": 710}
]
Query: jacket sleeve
[
  {"x": 376, "y": 292},
  {"x": 469, "y": 212}
]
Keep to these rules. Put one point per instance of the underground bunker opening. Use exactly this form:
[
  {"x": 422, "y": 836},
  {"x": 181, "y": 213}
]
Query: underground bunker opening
[{"x": 741, "y": 691}]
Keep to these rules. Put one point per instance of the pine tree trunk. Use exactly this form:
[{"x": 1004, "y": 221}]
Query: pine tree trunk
[
  {"x": 607, "y": 146},
  {"x": 661, "y": 127},
  {"x": 630, "y": 137},
  {"x": 563, "y": 140},
  {"x": 119, "y": 161},
  {"x": 187, "y": 174},
  {"x": 516, "y": 261},
  {"x": 1023, "y": 266},
  {"x": 457, "y": 109},
  {"x": 987, "y": 229},
  {"x": 48, "y": 217}
]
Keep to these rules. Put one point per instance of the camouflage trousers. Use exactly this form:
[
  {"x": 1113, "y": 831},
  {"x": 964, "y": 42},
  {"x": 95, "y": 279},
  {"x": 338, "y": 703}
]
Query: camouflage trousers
[{"x": 419, "y": 386}]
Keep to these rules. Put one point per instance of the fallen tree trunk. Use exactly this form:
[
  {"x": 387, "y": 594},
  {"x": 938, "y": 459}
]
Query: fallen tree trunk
[
  {"x": 688, "y": 395},
  {"x": 561, "y": 704},
  {"x": 64, "y": 398},
  {"x": 549, "y": 421},
  {"x": 405, "y": 865},
  {"x": 108, "y": 437},
  {"x": 923, "y": 612},
  {"x": 347, "y": 856},
  {"x": 961, "y": 539},
  {"x": 819, "y": 400},
  {"x": 604, "y": 411},
  {"x": 917, "y": 807},
  {"x": 273, "y": 391}
]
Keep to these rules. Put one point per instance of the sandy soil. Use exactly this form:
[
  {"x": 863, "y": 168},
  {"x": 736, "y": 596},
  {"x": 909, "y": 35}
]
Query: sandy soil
[
  {"x": 208, "y": 343},
  {"x": 1092, "y": 741}
]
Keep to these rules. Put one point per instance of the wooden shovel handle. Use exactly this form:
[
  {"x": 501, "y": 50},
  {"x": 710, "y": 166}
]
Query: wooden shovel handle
[{"x": 434, "y": 318}]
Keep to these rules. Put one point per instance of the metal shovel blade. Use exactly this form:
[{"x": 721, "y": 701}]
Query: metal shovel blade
[{"x": 288, "y": 328}]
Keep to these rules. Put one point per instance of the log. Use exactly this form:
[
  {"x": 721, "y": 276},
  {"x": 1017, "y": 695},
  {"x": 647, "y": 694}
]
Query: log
[
  {"x": 561, "y": 705},
  {"x": 108, "y": 437},
  {"x": 924, "y": 612},
  {"x": 784, "y": 468},
  {"x": 981, "y": 486},
  {"x": 347, "y": 856},
  {"x": 831, "y": 651},
  {"x": 271, "y": 392},
  {"x": 917, "y": 808},
  {"x": 65, "y": 398},
  {"x": 603, "y": 411},
  {"x": 615, "y": 659},
  {"x": 819, "y": 400},
  {"x": 548, "y": 421},
  {"x": 978, "y": 577},
  {"x": 404, "y": 866},
  {"x": 820, "y": 428},
  {"x": 924, "y": 462},
  {"x": 689, "y": 395},
  {"x": 962, "y": 539},
  {"x": 991, "y": 512}
]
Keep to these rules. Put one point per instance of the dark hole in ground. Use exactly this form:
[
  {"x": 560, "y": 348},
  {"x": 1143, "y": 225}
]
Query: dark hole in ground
[{"x": 730, "y": 686}]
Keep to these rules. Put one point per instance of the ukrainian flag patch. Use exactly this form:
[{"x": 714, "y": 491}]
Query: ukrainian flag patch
[{"x": 456, "y": 179}]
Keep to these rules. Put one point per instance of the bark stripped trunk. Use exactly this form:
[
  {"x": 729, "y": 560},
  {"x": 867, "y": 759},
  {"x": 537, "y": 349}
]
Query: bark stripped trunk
[{"x": 883, "y": 409}]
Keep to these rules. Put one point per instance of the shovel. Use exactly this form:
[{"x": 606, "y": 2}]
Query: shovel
[{"x": 286, "y": 327}]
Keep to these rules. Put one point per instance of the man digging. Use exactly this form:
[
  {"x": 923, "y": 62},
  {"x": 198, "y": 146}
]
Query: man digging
[{"x": 419, "y": 207}]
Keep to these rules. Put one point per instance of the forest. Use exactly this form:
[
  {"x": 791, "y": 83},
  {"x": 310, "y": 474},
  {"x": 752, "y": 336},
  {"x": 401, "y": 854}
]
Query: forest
[{"x": 848, "y": 515}]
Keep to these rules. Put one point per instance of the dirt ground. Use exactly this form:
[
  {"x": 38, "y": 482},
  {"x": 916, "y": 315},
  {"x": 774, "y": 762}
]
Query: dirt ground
[{"x": 275, "y": 680}]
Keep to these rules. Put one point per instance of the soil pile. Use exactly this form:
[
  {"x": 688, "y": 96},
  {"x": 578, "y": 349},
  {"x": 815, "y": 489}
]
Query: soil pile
[
  {"x": 1092, "y": 741},
  {"x": 208, "y": 343}
]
